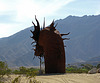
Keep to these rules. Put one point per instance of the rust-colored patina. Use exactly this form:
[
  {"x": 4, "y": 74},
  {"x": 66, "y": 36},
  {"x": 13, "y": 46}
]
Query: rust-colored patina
[{"x": 49, "y": 42}]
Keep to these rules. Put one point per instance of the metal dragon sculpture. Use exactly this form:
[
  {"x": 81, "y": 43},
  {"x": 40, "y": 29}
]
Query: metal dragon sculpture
[{"x": 49, "y": 43}]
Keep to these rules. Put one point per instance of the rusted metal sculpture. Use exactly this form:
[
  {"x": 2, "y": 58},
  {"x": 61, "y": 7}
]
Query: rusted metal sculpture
[{"x": 49, "y": 42}]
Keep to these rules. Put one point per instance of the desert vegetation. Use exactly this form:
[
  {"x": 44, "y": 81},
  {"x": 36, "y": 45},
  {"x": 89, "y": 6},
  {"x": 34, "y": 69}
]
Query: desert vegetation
[
  {"x": 31, "y": 73},
  {"x": 20, "y": 72},
  {"x": 83, "y": 68}
]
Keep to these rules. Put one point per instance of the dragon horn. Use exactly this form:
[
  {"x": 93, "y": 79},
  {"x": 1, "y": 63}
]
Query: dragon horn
[
  {"x": 38, "y": 25},
  {"x": 52, "y": 24},
  {"x": 65, "y": 38},
  {"x": 56, "y": 24},
  {"x": 44, "y": 23},
  {"x": 65, "y": 34},
  {"x": 33, "y": 23}
]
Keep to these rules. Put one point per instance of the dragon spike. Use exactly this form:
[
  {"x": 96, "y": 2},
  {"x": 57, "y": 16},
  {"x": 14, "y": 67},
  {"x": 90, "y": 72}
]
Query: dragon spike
[
  {"x": 33, "y": 23},
  {"x": 44, "y": 23},
  {"x": 52, "y": 24},
  {"x": 38, "y": 25},
  {"x": 52, "y": 27},
  {"x": 36, "y": 30},
  {"x": 56, "y": 25},
  {"x": 33, "y": 42},
  {"x": 66, "y": 38},
  {"x": 65, "y": 34},
  {"x": 34, "y": 45},
  {"x": 31, "y": 31},
  {"x": 33, "y": 57},
  {"x": 31, "y": 37},
  {"x": 41, "y": 28},
  {"x": 68, "y": 33},
  {"x": 33, "y": 49},
  {"x": 64, "y": 46}
]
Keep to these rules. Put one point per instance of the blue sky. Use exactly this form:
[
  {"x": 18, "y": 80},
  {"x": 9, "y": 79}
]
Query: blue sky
[{"x": 16, "y": 15}]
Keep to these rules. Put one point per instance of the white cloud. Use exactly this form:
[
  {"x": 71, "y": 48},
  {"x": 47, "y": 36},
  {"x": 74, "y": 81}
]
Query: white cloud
[
  {"x": 16, "y": 15},
  {"x": 6, "y": 5},
  {"x": 9, "y": 29},
  {"x": 5, "y": 30},
  {"x": 22, "y": 13},
  {"x": 28, "y": 8},
  {"x": 98, "y": 9}
]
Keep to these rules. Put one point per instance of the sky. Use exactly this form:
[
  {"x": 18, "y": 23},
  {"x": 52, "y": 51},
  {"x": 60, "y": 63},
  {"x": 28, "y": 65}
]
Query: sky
[{"x": 16, "y": 15}]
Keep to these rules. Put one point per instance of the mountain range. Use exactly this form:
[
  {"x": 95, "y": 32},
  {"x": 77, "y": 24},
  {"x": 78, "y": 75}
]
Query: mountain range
[{"x": 83, "y": 46}]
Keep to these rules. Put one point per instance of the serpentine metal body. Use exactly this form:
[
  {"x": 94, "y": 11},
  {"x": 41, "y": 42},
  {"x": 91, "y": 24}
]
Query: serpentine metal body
[{"x": 49, "y": 42}]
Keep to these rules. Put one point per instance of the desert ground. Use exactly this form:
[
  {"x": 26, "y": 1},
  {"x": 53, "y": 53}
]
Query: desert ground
[
  {"x": 70, "y": 78},
  {"x": 60, "y": 78}
]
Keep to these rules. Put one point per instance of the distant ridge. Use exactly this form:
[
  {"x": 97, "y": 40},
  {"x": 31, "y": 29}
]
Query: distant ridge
[{"x": 84, "y": 43}]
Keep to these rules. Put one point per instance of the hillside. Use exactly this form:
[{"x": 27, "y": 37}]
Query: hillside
[
  {"x": 84, "y": 43},
  {"x": 94, "y": 60},
  {"x": 16, "y": 49}
]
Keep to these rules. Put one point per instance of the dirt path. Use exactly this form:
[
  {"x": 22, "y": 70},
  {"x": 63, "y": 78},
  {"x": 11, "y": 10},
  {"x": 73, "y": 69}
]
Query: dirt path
[{"x": 70, "y": 78}]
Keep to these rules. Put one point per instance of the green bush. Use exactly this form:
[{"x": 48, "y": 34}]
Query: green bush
[
  {"x": 26, "y": 71},
  {"x": 32, "y": 72},
  {"x": 98, "y": 65},
  {"x": 23, "y": 70},
  {"x": 74, "y": 69},
  {"x": 29, "y": 72},
  {"x": 87, "y": 66},
  {"x": 16, "y": 72},
  {"x": 4, "y": 70}
]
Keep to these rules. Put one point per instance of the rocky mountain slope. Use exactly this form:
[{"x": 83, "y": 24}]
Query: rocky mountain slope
[{"x": 84, "y": 43}]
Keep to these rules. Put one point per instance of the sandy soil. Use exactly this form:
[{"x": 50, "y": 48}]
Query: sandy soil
[
  {"x": 60, "y": 78},
  {"x": 70, "y": 78}
]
